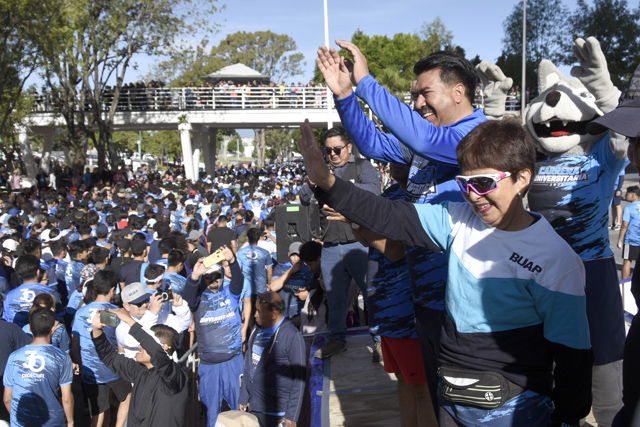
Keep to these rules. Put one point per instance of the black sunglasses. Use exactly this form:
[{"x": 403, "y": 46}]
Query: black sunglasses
[
  {"x": 140, "y": 304},
  {"x": 336, "y": 150}
]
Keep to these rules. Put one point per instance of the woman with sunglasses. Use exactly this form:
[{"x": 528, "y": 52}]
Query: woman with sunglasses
[{"x": 515, "y": 302}]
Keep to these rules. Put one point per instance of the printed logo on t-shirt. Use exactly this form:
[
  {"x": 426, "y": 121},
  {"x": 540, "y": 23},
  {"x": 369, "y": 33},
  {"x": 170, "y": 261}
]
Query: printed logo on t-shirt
[{"x": 35, "y": 362}]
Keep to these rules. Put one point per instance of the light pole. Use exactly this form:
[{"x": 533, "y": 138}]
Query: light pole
[
  {"x": 523, "y": 93},
  {"x": 326, "y": 43}
]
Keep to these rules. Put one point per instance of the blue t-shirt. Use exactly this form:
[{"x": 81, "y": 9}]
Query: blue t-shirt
[
  {"x": 74, "y": 302},
  {"x": 93, "y": 370},
  {"x": 72, "y": 275},
  {"x": 218, "y": 318},
  {"x": 389, "y": 290},
  {"x": 36, "y": 373},
  {"x": 574, "y": 194},
  {"x": 301, "y": 279},
  {"x": 19, "y": 301},
  {"x": 175, "y": 281},
  {"x": 254, "y": 262},
  {"x": 59, "y": 339},
  {"x": 631, "y": 214}
]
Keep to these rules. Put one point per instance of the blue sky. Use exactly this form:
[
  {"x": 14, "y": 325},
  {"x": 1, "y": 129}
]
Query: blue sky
[{"x": 476, "y": 26}]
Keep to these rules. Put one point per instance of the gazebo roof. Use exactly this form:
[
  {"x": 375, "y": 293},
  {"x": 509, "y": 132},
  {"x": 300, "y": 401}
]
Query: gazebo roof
[{"x": 235, "y": 72}]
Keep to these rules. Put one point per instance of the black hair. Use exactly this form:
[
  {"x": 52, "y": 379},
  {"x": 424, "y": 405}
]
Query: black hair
[
  {"x": 166, "y": 245},
  {"x": 75, "y": 248},
  {"x": 153, "y": 271},
  {"x": 175, "y": 258},
  {"x": 104, "y": 281},
  {"x": 27, "y": 267},
  {"x": 99, "y": 254},
  {"x": 454, "y": 68},
  {"x": 57, "y": 247},
  {"x": 41, "y": 322},
  {"x": 310, "y": 251},
  {"x": 634, "y": 189},
  {"x": 341, "y": 132},
  {"x": 253, "y": 235},
  {"x": 31, "y": 246}
]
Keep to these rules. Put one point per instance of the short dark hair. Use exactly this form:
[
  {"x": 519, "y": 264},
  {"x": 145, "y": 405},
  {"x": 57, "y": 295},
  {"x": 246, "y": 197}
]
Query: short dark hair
[
  {"x": 104, "y": 281},
  {"x": 310, "y": 251},
  {"x": 99, "y": 254},
  {"x": 253, "y": 235},
  {"x": 41, "y": 322},
  {"x": 634, "y": 189},
  {"x": 498, "y": 144},
  {"x": 166, "y": 245},
  {"x": 27, "y": 267},
  {"x": 454, "y": 69},
  {"x": 31, "y": 245},
  {"x": 338, "y": 131},
  {"x": 167, "y": 335},
  {"x": 57, "y": 247},
  {"x": 175, "y": 257},
  {"x": 75, "y": 248},
  {"x": 153, "y": 271}
]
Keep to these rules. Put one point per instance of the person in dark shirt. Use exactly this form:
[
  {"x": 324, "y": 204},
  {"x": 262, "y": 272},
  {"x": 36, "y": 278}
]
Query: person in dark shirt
[
  {"x": 13, "y": 338},
  {"x": 160, "y": 392},
  {"x": 222, "y": 235}
]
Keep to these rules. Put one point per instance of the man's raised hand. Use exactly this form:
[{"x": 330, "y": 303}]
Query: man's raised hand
[
  {"x": 360, "y": 66},
  {"x": 336, "y": 75},
  {"x": 313, "y": 159}
]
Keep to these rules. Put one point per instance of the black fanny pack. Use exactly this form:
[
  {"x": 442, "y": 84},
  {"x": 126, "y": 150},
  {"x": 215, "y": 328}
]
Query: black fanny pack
[{"x": 480, "y": 389}]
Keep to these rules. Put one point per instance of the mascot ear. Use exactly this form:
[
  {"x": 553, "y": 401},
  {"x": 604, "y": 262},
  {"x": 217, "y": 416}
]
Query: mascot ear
[{"x": 548, "y": 75}]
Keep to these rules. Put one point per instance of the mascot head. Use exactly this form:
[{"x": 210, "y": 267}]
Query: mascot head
[{"x": 558, "y": 117}]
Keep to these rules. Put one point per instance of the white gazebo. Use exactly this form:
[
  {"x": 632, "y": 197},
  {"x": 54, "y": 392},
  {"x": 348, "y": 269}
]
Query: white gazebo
[{"x": 237, "y": 73}]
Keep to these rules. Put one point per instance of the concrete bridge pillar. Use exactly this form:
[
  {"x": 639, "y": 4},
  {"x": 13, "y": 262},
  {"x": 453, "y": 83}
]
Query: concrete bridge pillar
[
  {"x": 27, "y": 155},
  {"x": 209, "y": 150},
  {"x": 45, "y": 161},
  {"x": 187, "y": 152},
  {"x": 197, "y": 145}
]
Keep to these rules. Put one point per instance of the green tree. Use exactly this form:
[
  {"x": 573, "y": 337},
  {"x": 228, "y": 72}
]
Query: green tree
[
  {"x": 616, "y": 27},
  {"x": 98, "y": 46},
  {"x": 278, "y": 144},
  {"x": 391, "y": 59},
  {"x": 546, "y": 38}
]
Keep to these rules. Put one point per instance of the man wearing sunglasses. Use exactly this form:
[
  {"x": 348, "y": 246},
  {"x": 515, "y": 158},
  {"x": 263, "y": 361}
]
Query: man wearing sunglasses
[
  {"x": 343, "y": 258},
  {"x": 425, "y": 138}
]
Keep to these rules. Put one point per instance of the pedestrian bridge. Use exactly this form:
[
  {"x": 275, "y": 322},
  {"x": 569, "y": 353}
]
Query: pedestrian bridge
[{"x": 197, "y": 113}]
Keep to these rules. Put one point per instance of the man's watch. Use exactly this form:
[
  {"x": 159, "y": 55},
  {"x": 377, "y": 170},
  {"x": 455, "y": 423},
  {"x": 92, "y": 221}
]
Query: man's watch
[{"x": 355, "y": 226}]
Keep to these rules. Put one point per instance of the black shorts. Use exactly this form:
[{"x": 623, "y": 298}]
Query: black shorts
[
  {"x": 630, "y": 253},
  {"x": 98, "y": 394}
]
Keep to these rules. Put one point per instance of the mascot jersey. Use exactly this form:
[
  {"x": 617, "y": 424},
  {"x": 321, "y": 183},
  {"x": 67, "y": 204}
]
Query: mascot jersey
[
  {"x": 431, "y": 152},
  {"x": 574, "y": 194}
]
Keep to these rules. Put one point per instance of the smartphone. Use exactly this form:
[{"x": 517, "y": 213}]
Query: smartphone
[
  {"x": 214, "y": 258},
  {"x": 108, "y": 319}
]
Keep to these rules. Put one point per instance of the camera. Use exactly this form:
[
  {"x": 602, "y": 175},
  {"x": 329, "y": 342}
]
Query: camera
[{"x": 166, "y": 295}]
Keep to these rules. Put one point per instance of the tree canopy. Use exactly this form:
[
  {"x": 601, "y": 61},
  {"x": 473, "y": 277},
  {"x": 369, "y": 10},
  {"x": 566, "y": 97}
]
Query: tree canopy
[{"x": 618, "y": 30}]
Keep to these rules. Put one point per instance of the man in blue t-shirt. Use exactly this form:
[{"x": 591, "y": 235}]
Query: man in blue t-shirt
[
  {"x": 37, "y": 377},
  {"x": 34, "y": 282},
  {"x": 256, "y": 264},
  {"x": 96, "y": 377},
  {"x": 629, "y": 240}
]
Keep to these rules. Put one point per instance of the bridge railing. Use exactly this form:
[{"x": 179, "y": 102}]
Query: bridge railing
[{"x": 205, "y": 98}]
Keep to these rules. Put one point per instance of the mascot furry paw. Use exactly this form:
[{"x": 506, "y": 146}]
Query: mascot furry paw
[{"x": 496, "y": 86}]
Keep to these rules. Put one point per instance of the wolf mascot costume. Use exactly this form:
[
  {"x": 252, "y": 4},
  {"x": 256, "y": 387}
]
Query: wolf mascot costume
[{"x": 573, "y": 188}]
